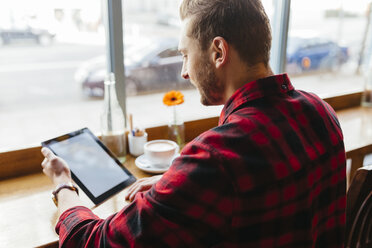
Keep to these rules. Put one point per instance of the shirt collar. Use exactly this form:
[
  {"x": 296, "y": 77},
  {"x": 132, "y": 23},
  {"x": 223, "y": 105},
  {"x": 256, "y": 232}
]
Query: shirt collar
[{"x": 254, "y": 90}]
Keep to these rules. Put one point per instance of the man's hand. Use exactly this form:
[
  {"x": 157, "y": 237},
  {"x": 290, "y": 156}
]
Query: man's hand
[
  {"x": 55, "y": 167},
  {"x": 142, "y": 184}
]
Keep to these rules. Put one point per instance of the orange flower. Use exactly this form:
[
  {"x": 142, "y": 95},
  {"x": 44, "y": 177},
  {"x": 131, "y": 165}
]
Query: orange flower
[{"x": 172, "y": 98}]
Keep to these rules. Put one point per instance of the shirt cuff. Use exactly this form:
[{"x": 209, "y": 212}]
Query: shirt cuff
[{"x": 70, "y": 218}]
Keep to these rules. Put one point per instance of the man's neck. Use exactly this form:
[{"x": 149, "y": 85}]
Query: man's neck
[{"x": 241, "y": 74}]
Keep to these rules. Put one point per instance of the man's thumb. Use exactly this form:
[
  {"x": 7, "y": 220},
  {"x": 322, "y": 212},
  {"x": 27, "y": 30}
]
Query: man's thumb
[{"x": 47, "y": 153}]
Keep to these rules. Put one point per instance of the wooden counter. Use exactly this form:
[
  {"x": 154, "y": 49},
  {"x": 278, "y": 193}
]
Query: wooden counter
[
  {"x": 28, "y": 215},
  {"x": 356, "y": 124}
]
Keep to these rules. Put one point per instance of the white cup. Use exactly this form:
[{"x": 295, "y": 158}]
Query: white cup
[
  {"x": 160, "y": 152},
  {"x": 136, "y": 144}
]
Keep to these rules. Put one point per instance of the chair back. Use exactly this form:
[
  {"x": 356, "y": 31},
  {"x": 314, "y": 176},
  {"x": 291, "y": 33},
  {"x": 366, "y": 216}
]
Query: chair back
[{"x": 359, "y": 210}]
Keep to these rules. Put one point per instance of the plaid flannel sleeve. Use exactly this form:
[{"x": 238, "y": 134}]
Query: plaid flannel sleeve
[{"x": 188, "y": 207}]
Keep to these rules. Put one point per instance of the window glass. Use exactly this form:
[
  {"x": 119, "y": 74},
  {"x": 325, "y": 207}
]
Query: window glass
[
  {"x": 42, "y": 45},
  {"x": 156, "y": 23},
  {"x": 53, "y": 62},
  {"x": 326, "y": 40}
]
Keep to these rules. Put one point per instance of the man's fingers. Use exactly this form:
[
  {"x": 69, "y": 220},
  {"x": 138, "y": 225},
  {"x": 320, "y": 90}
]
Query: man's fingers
[
  {"x": 133, "y": 190},
  {"x": 131, "y": 196},
  {"x": 47, "y": 153},
  {"x": 44, "y": 162},
  {"x": 135, "y": 185},
  {"x": 141, "y": 185}
]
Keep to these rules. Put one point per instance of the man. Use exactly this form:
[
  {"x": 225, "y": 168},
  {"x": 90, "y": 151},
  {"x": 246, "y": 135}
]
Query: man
[{"x": 272, "y": 174}]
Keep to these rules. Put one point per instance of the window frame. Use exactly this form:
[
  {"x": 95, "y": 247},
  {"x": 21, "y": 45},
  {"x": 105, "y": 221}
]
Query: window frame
[{"x": 113, "y": 23}]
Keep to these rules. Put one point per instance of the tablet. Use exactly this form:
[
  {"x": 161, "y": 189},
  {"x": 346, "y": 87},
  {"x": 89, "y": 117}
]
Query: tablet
[{"x": 93, "y": 166}]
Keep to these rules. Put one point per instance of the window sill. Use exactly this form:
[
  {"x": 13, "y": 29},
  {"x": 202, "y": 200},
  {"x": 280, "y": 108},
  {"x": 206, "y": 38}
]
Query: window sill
[{"x": 27, "y": 161}]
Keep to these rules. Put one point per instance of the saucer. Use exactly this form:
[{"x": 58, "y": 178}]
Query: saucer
[{"x": 146, "y": 165}]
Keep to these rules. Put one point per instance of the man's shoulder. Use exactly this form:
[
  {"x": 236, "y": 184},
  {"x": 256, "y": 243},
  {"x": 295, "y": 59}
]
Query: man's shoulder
[
  {"x": 235, "y": 131},
  {"x": 321, "y": 107},
  {"x": 313, "y": 99}
]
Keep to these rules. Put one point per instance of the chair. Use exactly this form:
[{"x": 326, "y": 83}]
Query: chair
[{"x": 359, "y": 210}]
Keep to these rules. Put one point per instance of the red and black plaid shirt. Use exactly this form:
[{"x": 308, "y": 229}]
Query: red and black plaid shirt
[{"x": 272, "y": 174}]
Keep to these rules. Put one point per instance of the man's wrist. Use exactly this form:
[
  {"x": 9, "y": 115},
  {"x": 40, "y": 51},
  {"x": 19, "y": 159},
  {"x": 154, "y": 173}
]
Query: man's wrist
[
  {"x": 61, "y": 179},
  {"x": 66, "y": 185}
]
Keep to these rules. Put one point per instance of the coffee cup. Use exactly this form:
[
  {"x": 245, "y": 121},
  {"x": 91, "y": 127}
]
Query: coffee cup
[{"x": 160, "y": 152}]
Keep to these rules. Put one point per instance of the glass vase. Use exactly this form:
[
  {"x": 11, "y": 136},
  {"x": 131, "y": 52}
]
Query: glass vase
[
  {"x": 112, "y": 121},
  {"x": 176, "y": 128}
]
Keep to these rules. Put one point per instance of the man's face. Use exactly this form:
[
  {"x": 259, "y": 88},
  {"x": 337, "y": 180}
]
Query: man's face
[{"x": 198, "y": 67}]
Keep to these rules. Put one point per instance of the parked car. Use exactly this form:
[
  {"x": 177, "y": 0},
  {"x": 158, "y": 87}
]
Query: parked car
[
  {"x": 314, "y": 54},
  {"x": 25, "y": 33},
  {"x": 149, "y": 66}
]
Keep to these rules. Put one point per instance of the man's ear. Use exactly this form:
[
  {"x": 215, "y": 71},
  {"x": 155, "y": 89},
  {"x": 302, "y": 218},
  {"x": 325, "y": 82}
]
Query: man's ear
[{"x": 219, "y": 51}]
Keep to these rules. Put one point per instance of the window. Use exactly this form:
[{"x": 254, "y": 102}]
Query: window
[
  {"x": 53, "y": 61},
  {"x": 42, "y": 44},
  {"x": 325, "y": 43},
  {"x": 158, "y": 22}
]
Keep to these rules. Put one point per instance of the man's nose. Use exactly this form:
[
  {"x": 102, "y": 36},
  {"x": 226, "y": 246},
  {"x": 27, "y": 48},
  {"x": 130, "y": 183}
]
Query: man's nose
[{"x": 184, "y": 73}]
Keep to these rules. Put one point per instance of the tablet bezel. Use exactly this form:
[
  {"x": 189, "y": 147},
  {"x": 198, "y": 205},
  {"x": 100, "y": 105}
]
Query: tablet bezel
[{"x": 107, "y": 194}]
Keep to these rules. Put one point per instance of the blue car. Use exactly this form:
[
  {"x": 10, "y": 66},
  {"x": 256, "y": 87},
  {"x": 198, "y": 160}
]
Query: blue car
[{"x": 314, "y": 54}]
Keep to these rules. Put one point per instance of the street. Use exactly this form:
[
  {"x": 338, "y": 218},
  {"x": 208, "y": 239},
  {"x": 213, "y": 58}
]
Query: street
[
  {"x": 32, "y": 76},
  {"x": 38, "y": 95}
]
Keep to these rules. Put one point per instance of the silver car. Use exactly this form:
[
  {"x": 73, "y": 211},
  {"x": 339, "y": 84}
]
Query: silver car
[{"x": 150, "y": 66}]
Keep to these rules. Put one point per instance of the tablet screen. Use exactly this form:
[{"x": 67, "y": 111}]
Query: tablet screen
[{"x": 89, "y": 162}]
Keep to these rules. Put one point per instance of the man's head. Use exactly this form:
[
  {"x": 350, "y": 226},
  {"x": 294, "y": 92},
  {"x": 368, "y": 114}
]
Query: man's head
[
  {"x": 220, "y": 40},
  {"x": 242, "y": 23}
]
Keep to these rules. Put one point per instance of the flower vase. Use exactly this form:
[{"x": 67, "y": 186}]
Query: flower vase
[{"x": 176, "y": 128}]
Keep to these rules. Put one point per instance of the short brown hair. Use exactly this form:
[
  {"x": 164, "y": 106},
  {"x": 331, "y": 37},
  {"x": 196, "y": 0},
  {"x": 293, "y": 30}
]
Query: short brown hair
[{"x": 242, "y": 23}]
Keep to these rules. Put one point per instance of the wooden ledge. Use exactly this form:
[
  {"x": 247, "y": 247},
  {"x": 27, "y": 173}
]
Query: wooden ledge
[
  {"x": 344, "y": 101},
  {"x": 20, "y": 162},
  {"x": 27, "y": 161}
]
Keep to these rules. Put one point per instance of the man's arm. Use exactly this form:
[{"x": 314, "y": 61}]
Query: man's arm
[
  {"x": 67, "y": 199},
  {"x": 57, "y": 170},
  {"x": 189, "y": 206}
]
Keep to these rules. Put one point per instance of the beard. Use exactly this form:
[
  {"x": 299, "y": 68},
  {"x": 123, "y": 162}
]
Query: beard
[{"x": 210, "y": 87}]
